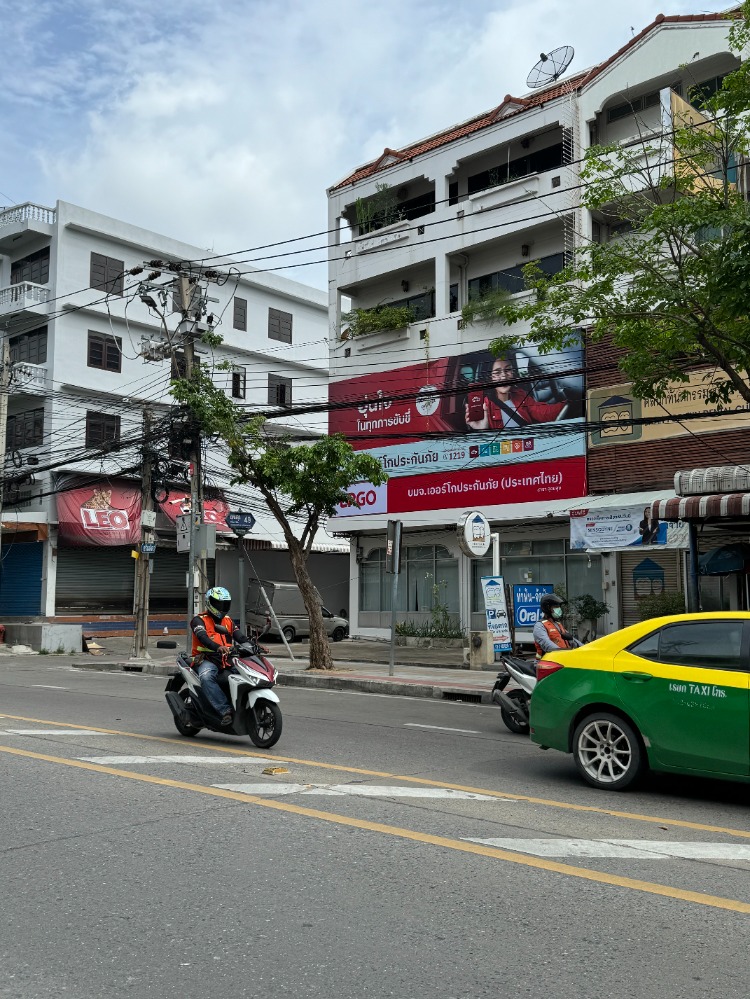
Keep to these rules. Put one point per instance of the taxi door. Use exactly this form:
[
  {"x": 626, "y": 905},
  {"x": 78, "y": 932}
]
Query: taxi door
[{"x": 687, "y": 687}]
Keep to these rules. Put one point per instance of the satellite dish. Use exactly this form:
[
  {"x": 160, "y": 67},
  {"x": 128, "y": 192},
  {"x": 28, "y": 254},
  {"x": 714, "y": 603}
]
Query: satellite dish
[{"x": 550, "y": 67}]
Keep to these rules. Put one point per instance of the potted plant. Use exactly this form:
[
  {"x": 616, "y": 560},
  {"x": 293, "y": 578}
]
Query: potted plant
[
  {"x": 359, "y": 322},
  {"x": 588, "y": 608}
]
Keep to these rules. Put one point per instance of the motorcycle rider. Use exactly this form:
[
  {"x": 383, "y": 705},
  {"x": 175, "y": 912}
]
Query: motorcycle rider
[
  {"x": 210, "y": 648},
  {"x": 550, "y": 633}
]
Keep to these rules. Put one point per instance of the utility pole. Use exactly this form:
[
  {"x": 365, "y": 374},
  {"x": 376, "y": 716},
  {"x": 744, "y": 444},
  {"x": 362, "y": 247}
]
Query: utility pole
[{"x": 143, "y": 563}]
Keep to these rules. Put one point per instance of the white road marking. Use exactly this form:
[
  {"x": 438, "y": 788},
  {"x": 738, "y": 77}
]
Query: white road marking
[
  {"x": 642, "y": 849},
  {"x": 48, "y": 686},
  {"x": 441, "y": 728},
  {"x": 357, "y": 790},
  {"x": 116, "y": 760},
  {"x": 53, "y": 731}
]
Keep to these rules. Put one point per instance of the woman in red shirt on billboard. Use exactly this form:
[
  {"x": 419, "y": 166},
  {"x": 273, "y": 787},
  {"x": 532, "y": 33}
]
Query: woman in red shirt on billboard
[{"x": 509, "y": 405}]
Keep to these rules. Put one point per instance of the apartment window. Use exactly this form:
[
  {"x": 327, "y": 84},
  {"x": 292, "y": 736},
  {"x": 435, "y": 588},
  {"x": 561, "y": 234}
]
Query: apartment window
[
  {"x": 633, "y": 107},
  {"x": 30, "y": 347},
  {"x": 511, "y": 279},
  {"x": 539, "y": 161},
  {"x": 25, "y": 430},
  {"x": 102, "y": 429},
  {"x": 279, "y": 391},
  {"x": 239, "y": 383},
  {"x": 107, "y": 273},
  {"x": 453, "y": 193},
  {"x": 699, "y": 94},
  {"x": 104, "y": 351},
  {"x": 279, "y": 325},
  {"x": 34, "y": 268},
  {"x": 240, "y": 314},
  {"x": 423, "y": 305}
]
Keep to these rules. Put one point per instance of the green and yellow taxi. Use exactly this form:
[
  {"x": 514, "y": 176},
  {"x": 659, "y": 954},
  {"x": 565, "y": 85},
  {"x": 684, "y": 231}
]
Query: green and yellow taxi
[{"x": 669, "y": 694}]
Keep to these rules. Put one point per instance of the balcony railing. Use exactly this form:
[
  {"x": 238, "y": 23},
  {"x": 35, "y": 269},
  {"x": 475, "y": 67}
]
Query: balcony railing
[
  {"x": 23, "y": 295},
  {"x": 28, "y": 379},
  {"x": 27, "y": 212}
]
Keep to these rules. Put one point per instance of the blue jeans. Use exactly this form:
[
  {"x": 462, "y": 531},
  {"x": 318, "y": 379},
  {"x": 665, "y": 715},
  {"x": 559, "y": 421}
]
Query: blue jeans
[{"x": 208, "y": 672}]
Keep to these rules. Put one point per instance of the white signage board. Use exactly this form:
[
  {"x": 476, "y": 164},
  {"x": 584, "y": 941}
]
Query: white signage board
[
  {"x": 496, "y": 607},
  {"x": 474, "y": 535},
  {"x": 624, "y": 527}
]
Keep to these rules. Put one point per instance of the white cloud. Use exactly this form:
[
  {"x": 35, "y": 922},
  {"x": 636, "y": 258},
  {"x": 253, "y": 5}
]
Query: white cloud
[{"x": 222, "y": 125}]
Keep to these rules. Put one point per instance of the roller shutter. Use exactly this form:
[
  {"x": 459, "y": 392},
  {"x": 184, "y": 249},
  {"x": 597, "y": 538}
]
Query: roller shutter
[
  {"x": 94, "y": 579},
  {"x": 21, "y": 578},
  {"x": 642, "y": 574},
  {"x": 168, "y": 591}
]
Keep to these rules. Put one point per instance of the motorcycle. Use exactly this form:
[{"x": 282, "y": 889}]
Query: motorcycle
[
  {"x": 249, "y": 686},
  {"x": 514, "y": 705}
]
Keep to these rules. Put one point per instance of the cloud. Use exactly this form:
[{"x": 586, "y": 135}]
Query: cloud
[{"x": 222, "y": 125}]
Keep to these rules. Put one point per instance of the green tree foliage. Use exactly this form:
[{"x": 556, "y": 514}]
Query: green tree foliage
[
  {"x": 671, "y": 289},
  {"x": 302, "y": 484}
]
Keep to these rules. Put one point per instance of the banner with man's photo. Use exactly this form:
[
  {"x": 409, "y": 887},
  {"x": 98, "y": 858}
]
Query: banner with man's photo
[
  {"x": 469, "y": 428},
  {"x": 625, "y": 527}
]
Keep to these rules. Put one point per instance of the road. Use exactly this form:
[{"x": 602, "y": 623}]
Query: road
[{"x": 410, "y": 848}]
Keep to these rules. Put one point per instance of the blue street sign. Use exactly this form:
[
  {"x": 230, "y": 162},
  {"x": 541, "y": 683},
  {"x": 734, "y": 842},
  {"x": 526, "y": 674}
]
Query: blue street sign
[
  {"x": 240, "y": 522},
  {"x": 148, "y": 547}
]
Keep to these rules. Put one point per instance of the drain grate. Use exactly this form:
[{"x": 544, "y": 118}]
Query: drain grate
[{"x": 458, "y": 695}]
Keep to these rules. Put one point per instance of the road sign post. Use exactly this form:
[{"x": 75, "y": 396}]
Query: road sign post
[{"x": 241, "y": 523}]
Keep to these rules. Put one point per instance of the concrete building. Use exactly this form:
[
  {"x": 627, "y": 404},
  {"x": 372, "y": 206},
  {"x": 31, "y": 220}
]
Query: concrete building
[
  {"x": 444, "y": 221},
  {"x": 88, "y": 356}
]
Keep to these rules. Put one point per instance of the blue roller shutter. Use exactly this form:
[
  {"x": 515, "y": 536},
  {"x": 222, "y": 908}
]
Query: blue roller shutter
[{"x": 21, "y": 578}]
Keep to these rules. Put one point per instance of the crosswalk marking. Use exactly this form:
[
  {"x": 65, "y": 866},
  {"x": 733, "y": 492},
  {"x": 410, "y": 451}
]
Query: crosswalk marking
[
  {"x": 640, "y": 849},
  {"x": 357, "y": 790}
]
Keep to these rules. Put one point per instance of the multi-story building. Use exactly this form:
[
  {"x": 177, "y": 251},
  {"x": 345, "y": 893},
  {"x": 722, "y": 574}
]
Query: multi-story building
[
  {"x": 89, "y": 355},
  {"x": 445, "y": 221}
]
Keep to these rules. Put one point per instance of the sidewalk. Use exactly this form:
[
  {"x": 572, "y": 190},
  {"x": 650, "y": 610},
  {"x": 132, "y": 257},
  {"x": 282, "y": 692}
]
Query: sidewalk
[{"x": 359, "y": 666}]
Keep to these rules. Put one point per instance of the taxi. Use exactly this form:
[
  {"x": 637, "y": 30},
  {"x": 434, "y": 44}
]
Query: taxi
[{"x": 669, "y": 694}]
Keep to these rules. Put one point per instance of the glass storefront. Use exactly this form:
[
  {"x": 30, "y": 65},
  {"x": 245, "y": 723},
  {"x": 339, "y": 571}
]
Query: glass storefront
[{"x": 429, "y": 575}]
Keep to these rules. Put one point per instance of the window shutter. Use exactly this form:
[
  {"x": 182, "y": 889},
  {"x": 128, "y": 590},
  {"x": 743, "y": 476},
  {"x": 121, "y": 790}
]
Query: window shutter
[
  {"x": 280, "y": 325},
  {"x": 240, "y": 314}
]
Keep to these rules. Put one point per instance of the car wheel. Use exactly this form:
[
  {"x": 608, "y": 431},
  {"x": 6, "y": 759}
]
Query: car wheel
[
  {"x": 338, "y": 634},
  {"x": 607, "y": 752},
  {"x": 289, "y": 634}
]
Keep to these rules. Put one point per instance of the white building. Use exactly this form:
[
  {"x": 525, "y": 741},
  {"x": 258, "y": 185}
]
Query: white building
[
  {"x": 87, "y": 358},
  {"x": 443, "y": 221}
]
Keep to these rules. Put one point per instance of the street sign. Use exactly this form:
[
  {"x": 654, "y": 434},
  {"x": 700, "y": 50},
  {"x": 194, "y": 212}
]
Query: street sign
[
  {"x": 148, "y": 547},
  {"x": 240, "y": 522}
]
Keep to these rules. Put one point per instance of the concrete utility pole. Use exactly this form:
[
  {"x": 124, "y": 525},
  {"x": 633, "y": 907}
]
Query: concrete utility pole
[
  {"x": 4, "y": 388},
  {"x": 143, "y": 563}
]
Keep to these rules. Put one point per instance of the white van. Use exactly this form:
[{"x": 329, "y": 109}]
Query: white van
[{"x": 289, "y": 608}]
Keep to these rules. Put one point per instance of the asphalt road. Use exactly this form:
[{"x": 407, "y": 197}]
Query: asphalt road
[{"x": 412, "y": 848}]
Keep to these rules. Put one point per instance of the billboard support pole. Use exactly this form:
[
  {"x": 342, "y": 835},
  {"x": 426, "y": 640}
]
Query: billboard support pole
[
  {"x": 393, "y": 565},
  {"x": 495, "y": 553}
]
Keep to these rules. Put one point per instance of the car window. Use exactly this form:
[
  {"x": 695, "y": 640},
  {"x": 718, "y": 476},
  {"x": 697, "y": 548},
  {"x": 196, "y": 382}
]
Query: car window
[
  {"x": 648, "y": 647},
  {"x": 326, "y": 613},
  {"x": 706, "y": 644}
]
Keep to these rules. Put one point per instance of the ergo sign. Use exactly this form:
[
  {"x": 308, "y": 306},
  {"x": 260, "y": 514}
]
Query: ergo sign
[{"x": 364, "y": 498}]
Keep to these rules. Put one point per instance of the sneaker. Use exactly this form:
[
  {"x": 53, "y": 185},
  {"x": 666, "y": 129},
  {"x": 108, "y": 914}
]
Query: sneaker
[{"x": 226, "y": 719}]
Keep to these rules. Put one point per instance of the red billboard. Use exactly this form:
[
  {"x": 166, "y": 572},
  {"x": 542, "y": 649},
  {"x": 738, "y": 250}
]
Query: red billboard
[
  {"x": 469, "y": 429},
  {"x": 106, "y": 513},
  {"x": 214, "y": 510}
]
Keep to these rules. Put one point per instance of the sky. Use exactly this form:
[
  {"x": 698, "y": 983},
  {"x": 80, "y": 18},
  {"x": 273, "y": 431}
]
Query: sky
[{"x": 223, "y": 125}]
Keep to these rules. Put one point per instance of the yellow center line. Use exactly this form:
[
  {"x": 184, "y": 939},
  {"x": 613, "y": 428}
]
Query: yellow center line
[
  {"x": 523, "y": 860},
  {"x": 406, "y": 778}
]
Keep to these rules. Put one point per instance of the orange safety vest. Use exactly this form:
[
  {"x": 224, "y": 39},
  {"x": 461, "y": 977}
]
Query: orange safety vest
[
  {"x": 555, "y": 636},
  {"x": 213, "y": 634}
]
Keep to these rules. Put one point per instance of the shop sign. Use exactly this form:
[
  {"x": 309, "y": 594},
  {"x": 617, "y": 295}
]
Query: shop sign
[
  {"x": 100, "y": 515},
  {"x": 474, "y": 535},
  {"x": 496, "y": 608},
  {"x": 624, "y": 527},
  {"x": 526, "y": 603},
  {"x": 215, "y": 511}
]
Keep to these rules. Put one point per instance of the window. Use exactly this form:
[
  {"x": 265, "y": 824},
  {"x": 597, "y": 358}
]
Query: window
[
  {"x": 704, "y": 644},
  {"x": 537, "y": 162},
  {"x": 429, "y": 576},
  {"x": 102, "y": 429},
  {"x": 34, "y": 268},
  {"x": 279, "y": 391},
  {"x": 634, "y": 106},
  {"x": 279, "y": 325},
  {"x": 511, "y": 278},
  {"x": 105, "y": 351},
  {"x": 30, "y": 347},
  {"x": 107, "y": 273},
  {"x": 239, "y": 321},
  {"x": 25, "y": 430},
  {"x": 647, "y": 648},
  {"x": 423, "y": 305},
  {"x": 699, "y": 94},
  {"x": 239, "y": 383},
  {"x": 453, "y": 193}
]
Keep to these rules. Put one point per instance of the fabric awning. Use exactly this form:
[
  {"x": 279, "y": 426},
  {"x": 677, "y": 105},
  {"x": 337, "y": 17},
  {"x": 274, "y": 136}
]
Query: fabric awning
[{"x": 701, "y": 507}]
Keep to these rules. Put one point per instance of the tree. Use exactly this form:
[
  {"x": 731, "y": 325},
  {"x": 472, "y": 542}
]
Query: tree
[
  {"x": 671, "y": 288},
  {"x": 301, "y": 483}
]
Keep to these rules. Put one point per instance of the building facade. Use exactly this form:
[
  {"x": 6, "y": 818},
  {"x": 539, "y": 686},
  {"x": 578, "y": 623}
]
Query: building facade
[
  {"x": 444, "y": 222},
  {"x": 92, "y": 352}
]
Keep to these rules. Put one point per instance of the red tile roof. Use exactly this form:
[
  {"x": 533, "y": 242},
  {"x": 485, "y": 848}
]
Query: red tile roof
[{"x": 516, "y": 105}]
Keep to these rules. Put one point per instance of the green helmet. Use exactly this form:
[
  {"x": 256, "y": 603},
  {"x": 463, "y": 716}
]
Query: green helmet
[{"x": 218, "y": 602}]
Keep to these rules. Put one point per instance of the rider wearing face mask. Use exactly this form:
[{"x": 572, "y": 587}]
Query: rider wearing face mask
[{"x": 550, "y": 633}]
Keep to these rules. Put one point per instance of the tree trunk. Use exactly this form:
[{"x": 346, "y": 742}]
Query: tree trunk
[{"x": 320, "y": 647}]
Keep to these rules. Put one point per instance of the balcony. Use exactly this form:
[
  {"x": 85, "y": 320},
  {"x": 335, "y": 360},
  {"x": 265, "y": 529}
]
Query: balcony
[
  {"x": 28, "y": 379},
  {"x": 20, "y": 224},
  {"x": 22, "y": 302}
]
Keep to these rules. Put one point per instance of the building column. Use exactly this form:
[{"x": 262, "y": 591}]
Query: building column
[
  {"x": 442, "y": 285},
  {"x": 49, "y": 574}
]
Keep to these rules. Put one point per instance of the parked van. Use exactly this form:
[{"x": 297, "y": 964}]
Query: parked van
[{"x": 289, "y": 608}]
